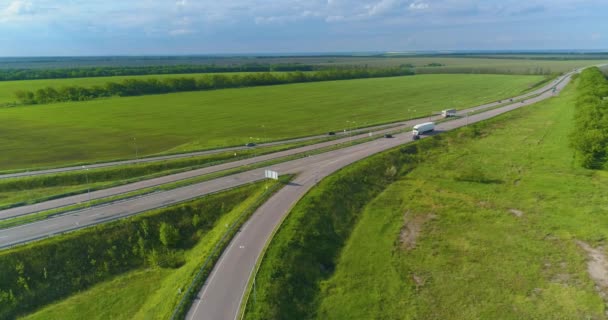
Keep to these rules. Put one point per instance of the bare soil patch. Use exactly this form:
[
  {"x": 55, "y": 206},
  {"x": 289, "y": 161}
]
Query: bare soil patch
[
  {"x": 597, "y": 267},
  {"x": 411, "y": 229},
  {"x": 517, "y": 213}
]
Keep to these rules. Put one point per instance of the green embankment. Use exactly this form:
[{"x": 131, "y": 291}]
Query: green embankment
[
  {"x": 168, "y": 244},
  {"x": 63, "y": 133},
  {"x": 480, "y": 223}
]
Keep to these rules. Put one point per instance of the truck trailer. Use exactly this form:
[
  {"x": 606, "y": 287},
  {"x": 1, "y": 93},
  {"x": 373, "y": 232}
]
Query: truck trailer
[
  {"x": 423, "y": 128},
  {"x": 448, "y": 113}
]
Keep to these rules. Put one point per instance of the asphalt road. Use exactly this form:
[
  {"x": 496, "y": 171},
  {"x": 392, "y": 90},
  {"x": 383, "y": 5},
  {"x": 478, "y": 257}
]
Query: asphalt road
[
  {"x": 221, "y": 296},
  {"x": 114, "y": 191},
  {"x": 214, "y": 151}
]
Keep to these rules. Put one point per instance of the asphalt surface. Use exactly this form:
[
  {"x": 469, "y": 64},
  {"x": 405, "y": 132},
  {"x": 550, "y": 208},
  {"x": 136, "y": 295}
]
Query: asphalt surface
[
  {"x": 185, "y": 155},
  {"x": 115, "y": 191},
  {"x": 238, "y": 148},
  {"x": 222, "y": 294}
]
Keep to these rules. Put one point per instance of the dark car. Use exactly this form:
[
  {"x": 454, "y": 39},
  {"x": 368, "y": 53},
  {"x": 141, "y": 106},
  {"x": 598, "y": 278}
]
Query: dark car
[
  {"x": 331, "y": 133},
  {"x": 388, "y": 135},
  {"x": 250, "y": 144}
]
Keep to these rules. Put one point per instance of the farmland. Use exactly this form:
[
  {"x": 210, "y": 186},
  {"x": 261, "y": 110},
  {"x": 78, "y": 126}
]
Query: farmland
[
  {"x": 454, "y": 63},
  {"x": 494, "y": 227},
  {"x": 114, "y": 128}
]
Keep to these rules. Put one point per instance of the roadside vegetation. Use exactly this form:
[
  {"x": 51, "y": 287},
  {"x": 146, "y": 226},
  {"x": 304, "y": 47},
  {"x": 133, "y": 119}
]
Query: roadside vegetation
[
  {"x": 491, "y": 221},
  {"x": 169, "y": 245},
  {"x": 102, "y": 130},
  {"x": 590, "y": 134}
]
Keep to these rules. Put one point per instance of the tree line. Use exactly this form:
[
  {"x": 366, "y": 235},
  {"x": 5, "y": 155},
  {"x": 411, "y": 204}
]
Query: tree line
[
  {"x": 590, "y": 135},
  {"x": 63, "y": 73},
  {"x": 137, "y": 87}
]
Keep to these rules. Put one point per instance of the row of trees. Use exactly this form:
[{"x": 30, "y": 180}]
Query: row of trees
[
  {"x": 136, "y": 87},
  {"x": 590, "y": 136},
  {"x": 31, "y": 74},
  {"x": 35, "y": 275}
]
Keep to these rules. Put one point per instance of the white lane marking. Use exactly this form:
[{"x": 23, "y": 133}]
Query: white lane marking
[{"x": 210, "y": 279}]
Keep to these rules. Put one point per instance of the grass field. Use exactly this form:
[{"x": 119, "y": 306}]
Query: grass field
[
  {"x": 437, "y": 245},
  {"x": 150, "y": 293},
  {"x": 493, "y": 221},
  {"x": 105, "y": 129}
]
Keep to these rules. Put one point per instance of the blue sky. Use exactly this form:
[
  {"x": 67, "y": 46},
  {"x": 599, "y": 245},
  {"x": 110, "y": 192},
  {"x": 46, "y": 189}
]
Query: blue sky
[{"x": 79, "y": 27}]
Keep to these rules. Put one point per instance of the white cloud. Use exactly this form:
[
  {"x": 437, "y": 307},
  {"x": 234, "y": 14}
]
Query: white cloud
[
  {"x": 419, "y": 5},
  {"x": 382, "y": 7},
  {"x": 16, "y": 10}
]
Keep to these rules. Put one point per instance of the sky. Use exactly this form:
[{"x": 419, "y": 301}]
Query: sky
[{"x": 166, "y": 27}]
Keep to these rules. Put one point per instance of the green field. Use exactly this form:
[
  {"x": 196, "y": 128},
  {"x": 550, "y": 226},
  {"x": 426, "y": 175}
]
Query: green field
[
  {"x": 484, "y": 228},
  {"x": 65, "y": 133},
  {"x": 8, "y": 88},
  {"x": 466, "y": 65},
  {"x": 503, "y": 249}
]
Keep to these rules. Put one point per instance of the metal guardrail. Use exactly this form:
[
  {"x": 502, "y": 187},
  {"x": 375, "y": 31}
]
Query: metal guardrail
[{"x": 180, "y": 310}]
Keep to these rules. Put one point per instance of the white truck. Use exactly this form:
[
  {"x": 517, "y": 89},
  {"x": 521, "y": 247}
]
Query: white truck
[
  {"x": 448, "y": 113},
  {"x": 422, "y": 128}
]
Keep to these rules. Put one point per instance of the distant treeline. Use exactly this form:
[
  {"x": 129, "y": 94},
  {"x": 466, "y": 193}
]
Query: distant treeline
[
  {"x": 33, "y": 74},
  {"x": 137, "y": 87},
  {"x": 590, "y": 136}
]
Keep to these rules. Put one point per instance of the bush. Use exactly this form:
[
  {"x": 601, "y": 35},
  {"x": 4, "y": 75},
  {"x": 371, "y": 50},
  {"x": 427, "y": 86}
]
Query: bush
[
  {"x": 169, "y": 235},
  {"x": 590, "y": 135}
]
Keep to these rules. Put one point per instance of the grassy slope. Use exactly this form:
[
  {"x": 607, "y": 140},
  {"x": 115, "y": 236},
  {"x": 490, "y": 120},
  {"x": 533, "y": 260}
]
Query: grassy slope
[
  {"x": 104, "y": 129},
  {"x": 146, "y": 293},
  {"x": 476, "y": 260}
]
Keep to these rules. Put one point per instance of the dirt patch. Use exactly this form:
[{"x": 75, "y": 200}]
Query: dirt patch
[
  {"x": 411, "y": 229},
  {"x": 517, "y": 213},
  {"x": 597, "y": 267},
  {"x": 419, "y": 281}
]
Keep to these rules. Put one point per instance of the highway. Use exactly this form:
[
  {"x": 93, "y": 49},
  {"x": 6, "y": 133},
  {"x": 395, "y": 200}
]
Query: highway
[
  {"x": 239, "y": 148},
  {"x": 222, "y": 294},
  {"x": 327, "y": 162},
  {"x": 118, "y": 190}
]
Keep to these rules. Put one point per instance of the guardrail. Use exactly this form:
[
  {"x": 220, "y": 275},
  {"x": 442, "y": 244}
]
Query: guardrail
[{"x": 197, "y": 283}]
